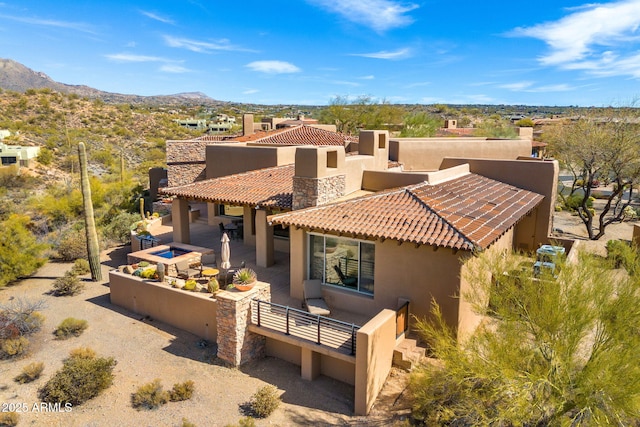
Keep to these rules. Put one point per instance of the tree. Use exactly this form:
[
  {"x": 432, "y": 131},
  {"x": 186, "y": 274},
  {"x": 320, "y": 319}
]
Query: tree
[
  {"x": 20, "y": 253},
  {"x": 364, "y": 112},
  {"x": 603, "y": 148},
  {"x": 495, "y": 127},
  {"x": 420, "y": 125},
  {"x": 551, "y": 350}
]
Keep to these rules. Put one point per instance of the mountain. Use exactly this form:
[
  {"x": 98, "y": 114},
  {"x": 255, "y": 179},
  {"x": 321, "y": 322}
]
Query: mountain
[{"x": 19, "y": 78}]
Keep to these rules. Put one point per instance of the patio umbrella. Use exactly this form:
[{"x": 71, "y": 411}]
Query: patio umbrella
[{"x": 225, "y": 255}]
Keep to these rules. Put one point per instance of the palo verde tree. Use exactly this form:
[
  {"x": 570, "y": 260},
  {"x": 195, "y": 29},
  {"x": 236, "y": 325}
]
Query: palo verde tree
[
  {"x": 93, "y": 248},
  {"x": 560, "y": 349},
  {"x": 20, "y": 252},
  {"x": 363, "y": 112},
  {"x": 603, "y": 148}
]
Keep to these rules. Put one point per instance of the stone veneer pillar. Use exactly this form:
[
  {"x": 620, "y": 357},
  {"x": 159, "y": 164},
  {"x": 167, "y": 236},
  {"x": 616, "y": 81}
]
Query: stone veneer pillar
[
  {"x": 309, "y": 192},
  {"x": 236, "y": 345}
]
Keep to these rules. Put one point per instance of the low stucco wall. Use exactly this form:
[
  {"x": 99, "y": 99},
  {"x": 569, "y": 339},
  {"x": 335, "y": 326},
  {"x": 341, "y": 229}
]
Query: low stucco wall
[
  {"x": 375, "y": 342},
  {"x": 426, "y": 154},
  {"x": 190, "y": 311}
]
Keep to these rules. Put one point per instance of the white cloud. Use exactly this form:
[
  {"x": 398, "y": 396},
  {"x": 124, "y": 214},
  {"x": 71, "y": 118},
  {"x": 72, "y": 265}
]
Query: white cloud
[
  {"x": 370, "y": 77},
  {"x": 77, "y": 26},
  {"x": 518, "y": 86},
  {"x": 597, "y": 38},
  {"x": 157, "y": 17},
  {"x": 530, "y": 87},
  {"x": 250, "y": 91},
  {"x": 172, "y": 68},
  {"x": 130, "y": 57},
  {"x": 202, "y": 46},
  {"x": 273, "y": 67},
  {"x": 384, "y": 54},
  {"x": 380, "y": 15}
]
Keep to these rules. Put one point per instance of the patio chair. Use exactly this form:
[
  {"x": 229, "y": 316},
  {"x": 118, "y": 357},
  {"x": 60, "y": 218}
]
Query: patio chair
[
  {"x": 207, "y": 261},
  {"x": 347, "y": 281},
  {"x": 222, "y": 230},
  {"x": 313, "y": 298},
  {"x": 184, "y": 270}
]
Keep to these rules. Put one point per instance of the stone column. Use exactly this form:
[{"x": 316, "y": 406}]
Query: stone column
[{"x": 236, "y": 345}]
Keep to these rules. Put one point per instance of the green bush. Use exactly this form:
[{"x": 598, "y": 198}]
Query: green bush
[
  {"x": 149, "y": 396},
  {"x": 13, "y": 347},
  {"x": 67, "y": 285},
  {"x": 9, "y": 419},
  {"x": 118, "y": 229},
  {"x": 29, "y": 373},
  {"x": 265, "y": 401},
  {"x": 70, "y": 326},
  {"x": 181, "y": 391},
  {"x": 20, "y": 252},
  {"x": 81, "y": 266},
  {"x": 72, "y": 245},
  {"x": 82, "y": 377},
  {"x": 573, "y": 202},
  {"x": 244, "y": 422}
]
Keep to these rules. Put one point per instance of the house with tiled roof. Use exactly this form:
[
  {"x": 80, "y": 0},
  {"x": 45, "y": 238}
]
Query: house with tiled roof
[{"x": 376, "y": 236}]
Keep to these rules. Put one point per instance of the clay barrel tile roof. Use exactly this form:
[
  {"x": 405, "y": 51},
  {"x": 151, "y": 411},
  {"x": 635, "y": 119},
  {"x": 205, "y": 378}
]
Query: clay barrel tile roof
[
  {"x": 271, "y": 187},
  {"x": 465, "y": 213}
]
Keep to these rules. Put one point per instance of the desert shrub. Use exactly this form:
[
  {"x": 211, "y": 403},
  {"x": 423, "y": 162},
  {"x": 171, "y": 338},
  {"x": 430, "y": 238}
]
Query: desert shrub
[
  {"x": 118, "y": 229},
  {"x": 149, "y": 396},
  {"x": 30, "y": 372},
  {"x": 621, "y": 254},
  {"x": 70, "y": 326},
  {"x": 573, "y": 202},
  {"x": 83, "y": 353},
  {"x": 13, "y": 347},
  {"x": 67, "y": 285},
  {"x": 187, "y": 423},
  {"x": 244, "y": 422},
  {"x": 181, "y": 391},
  {"x": 20, "y": 317},
  {"x": 20, "y": 251},
  {"x": 72, "y": 245},
  {"x": 82, "y": 377},
  {"x": 81, "y": 266},
  {"x": 265, "y": 401},
  {"x": 9, "y": 419}
]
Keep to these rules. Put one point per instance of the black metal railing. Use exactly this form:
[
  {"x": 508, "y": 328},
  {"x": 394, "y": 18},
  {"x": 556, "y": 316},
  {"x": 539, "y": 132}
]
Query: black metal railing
[
  {"x": 402, "y": 319},
  {"x": 332, "y": 333}
]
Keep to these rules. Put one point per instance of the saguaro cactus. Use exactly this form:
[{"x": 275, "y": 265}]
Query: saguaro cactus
[{"x": 93, "y": 250}]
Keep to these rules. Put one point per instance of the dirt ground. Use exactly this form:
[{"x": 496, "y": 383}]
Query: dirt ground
[{"x": 145, "y": 350}]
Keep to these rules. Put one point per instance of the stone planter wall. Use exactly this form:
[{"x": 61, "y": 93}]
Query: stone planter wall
[{"x": 236, "y": 344}]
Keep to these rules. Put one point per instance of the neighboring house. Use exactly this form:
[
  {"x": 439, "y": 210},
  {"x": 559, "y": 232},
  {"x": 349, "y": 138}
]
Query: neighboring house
[{"x": 17, "y": 155}]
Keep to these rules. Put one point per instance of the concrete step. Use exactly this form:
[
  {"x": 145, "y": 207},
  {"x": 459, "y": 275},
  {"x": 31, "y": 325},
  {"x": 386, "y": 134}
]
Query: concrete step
[{"x": 407, "y": 353}]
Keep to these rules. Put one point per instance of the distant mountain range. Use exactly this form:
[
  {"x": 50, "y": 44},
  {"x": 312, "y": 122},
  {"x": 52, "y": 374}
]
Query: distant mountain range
[{"x": 17, "y": 77}]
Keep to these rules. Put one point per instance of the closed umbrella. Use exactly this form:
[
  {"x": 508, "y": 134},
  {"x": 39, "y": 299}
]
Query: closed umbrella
[{"x": 225, "y": 256}]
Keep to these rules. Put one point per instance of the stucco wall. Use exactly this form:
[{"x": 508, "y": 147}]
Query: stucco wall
[
  {"x": 375, "y": 342},
  {"x": 191, "y": 311},
  {"x": 229, "y": 159},
  {"x": 426, "y": 154},
  {"x": 534, "y": 175},
  {"x": 402, "y": 271},
  {"x": 382, "y": 180}
]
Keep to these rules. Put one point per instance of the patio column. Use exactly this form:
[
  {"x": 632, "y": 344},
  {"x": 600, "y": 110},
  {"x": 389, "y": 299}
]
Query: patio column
[
  {"x": 264, "y": 240},
  {"x": 180, "y": 220}
]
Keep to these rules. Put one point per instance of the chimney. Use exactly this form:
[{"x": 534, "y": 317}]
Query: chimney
[{"x": 247, "y": 124}]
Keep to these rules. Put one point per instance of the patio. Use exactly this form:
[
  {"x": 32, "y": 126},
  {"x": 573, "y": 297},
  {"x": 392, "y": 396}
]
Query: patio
[{"x": 277, "y": 275}]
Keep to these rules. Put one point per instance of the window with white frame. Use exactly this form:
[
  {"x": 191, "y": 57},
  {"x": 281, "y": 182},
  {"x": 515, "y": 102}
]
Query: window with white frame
[{"x": 343, "y": 262}]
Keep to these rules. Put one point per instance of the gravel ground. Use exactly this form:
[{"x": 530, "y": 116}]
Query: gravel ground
[{"x": 146, "y": 350}]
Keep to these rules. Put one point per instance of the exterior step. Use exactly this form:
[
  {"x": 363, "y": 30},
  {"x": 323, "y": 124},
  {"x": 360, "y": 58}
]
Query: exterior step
[{"x": 408, "y": 353}]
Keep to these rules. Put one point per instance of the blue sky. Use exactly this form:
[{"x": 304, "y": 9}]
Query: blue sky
[{"x": 310, "y": 51}]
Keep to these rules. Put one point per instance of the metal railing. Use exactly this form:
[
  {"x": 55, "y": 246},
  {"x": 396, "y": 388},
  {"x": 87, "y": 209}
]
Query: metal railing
[
  {"x": 402, "y": 319},
  {"x": 332, "y": 333}
]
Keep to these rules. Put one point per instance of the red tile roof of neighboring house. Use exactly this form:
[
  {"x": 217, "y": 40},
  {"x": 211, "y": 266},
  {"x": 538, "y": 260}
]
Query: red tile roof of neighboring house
[
  {"x": 468, "y": 212},
  {"x": 295, "y": 135},
  {"x": 271, "y": 187}
]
